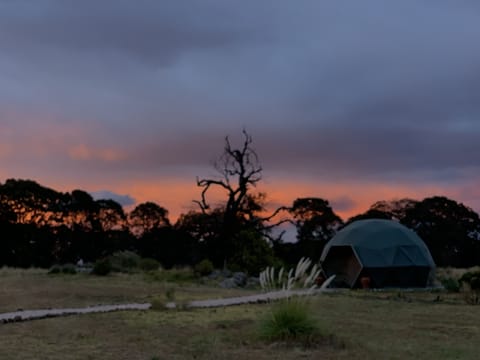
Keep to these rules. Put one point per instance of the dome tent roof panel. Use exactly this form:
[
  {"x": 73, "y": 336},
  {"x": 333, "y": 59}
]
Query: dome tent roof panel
[{"x": 384, "y": 244}]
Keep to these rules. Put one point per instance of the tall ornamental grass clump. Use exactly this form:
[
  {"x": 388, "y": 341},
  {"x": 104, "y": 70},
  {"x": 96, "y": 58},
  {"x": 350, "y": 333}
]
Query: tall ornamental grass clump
[
  {"x": 303, "y": 276},
  {"x": 291, "y": 319}
]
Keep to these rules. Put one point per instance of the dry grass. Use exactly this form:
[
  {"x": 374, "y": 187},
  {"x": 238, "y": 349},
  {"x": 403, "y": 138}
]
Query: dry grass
[
  {"x": 34, "y": 289},
  {"x": 454, "y": 273},
  {"x": 366, "y": 325}
]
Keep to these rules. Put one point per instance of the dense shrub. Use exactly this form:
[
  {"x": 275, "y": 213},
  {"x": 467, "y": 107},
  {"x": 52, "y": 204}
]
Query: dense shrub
[
  {"x": 69, "y": 269},
  {"x": 149, "y": 264},
  {"x": 289, "y": 320},
  {"x": 251, "y": 253},
  {"x": 204, "y": 267},
  {"x": 157, "y": 304},
  {"x": 63, "y": 269},
  {"x": 55, "y": 269},
  {"x": 102, "y": 267},
  {"x": 176, "y": 275},
  {"x": 470, "y": 287},
  {"x": 124, "y": 261},
  {"x": 472, "y": 278},
  {"x": 450, "y": 284}
]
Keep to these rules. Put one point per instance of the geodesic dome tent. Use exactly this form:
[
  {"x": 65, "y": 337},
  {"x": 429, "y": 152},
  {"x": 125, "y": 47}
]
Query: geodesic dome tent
[{"x": 390, "y": 254}]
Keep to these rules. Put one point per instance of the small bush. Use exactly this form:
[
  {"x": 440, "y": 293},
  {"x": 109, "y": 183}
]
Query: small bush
[
  {"x": 63, "y": 269},
  {"x": 472, "y": 278},
  {"x": 69, "y": 269},
  {"x": 148, "y": 264},
  {"x": 124, "y": 261},
  {"x": 470, "y": 286},
  {"x": 289, "y": 320},
  {"x": 55, "y": 269},
  {"x": 170, "y": 294},
  {"x": 471, "y": 296},
  {"x": 157, "y": 304},
  {"x": 450, "y": 284},
  {"x": 102, "y": 267},
  {"x": 176, "y": 275},
  {"x": 204, "y": 267}
]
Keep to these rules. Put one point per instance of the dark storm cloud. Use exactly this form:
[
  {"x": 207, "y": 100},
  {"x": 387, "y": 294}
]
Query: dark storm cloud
[
  {"x": 377, "y": 151},
  {"x": 337, "y": 89}
]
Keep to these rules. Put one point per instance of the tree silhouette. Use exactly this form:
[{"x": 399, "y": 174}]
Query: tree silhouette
[
  {"x": 316, "y": 223},
  {"x": 390, "y": 210},
  {"x": 239, "y": 173},
  {"x": 315, "y": 220},
  {"x": 147, "y": 217},
  {"x": 450, "y": 230}
]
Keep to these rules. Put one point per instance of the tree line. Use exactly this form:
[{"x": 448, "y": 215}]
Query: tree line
[{"x": 41, "y": 227}]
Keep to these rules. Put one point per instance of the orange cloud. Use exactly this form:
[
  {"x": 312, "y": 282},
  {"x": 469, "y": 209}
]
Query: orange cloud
[{"x": 82, "y": 153}]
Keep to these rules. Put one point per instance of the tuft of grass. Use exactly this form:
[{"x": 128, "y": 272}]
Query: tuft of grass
[
  {"x": 170, "y": 293},
  {"x": 158, "y": 304},
  {"x": 290, "y": 321}
]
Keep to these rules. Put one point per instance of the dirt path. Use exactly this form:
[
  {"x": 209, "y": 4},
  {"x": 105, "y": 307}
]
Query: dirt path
[{"x": 25, "y": 315}]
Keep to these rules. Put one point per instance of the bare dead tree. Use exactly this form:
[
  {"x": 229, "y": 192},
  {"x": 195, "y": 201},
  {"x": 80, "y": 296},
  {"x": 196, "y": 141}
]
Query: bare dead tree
[{"x": 239, "y": 170}]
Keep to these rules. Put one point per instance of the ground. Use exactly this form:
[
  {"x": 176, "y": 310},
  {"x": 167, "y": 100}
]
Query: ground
[{"x": 356, "y": 324}]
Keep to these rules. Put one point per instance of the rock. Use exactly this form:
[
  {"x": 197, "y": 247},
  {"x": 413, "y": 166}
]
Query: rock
[
  {"x": 240, "y": 278},
  {"x": 226, "y": 273},
  {"x": 215, "y": 274},
  {"x": 228, "y": 283}
]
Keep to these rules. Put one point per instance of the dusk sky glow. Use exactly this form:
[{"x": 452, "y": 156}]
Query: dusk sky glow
[{"x": 350, "y": 101}]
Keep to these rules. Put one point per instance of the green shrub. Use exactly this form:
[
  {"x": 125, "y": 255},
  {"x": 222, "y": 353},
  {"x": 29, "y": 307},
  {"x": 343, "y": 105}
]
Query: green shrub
[
  {"x": 181, "y": 274},
  {"x": 63, "y": 269},
  {"x": 450, "y": 284},
  {"x": 251, "y": 252},
  {"x": 170, "y": 294},
  {"x": 157, "y": 304},
  {"x": 472, "y": 278},
  {"x": 124, "y": 261},
  {"x": 176, "y": 275},
  {"x": 204, "y": 267},
  {"x": 149, "y": 264},
  {"x": 69, "y": 269},
  {"x": 55, "y": 269},
  {"x": 102, "y": 267},
  {"x": 289, "y": 320},
  {"x": 470, "y": 287}
]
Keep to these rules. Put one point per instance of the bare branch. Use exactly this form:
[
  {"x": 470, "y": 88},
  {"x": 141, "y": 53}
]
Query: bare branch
[{"x": 276, "y": 212}]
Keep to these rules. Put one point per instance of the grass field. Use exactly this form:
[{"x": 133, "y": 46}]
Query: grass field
[{"x": 356, "y": 324}]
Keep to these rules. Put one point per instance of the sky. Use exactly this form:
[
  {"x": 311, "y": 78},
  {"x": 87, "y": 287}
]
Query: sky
[{"x": 351, "y": 101}]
